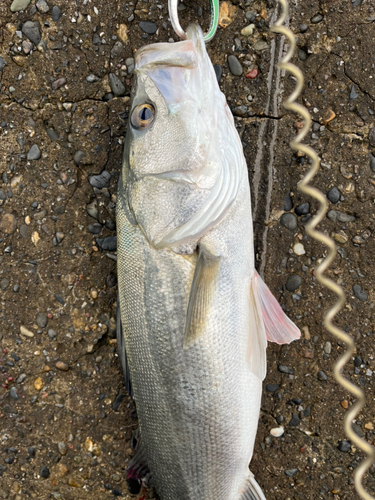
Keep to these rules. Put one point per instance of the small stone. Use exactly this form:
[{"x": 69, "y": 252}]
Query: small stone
[
  {"x": 31, "y": 451},
  {"x": 291, "y": 472},
  {"x": 4, "y": 283},
  {"x": 13, "y": 393},
  {"x": 219, "y": 71},
  {"x": 353, "y": 94},
  {"x": 299, "y": 249},
  {"x": 337, "y": 216},
  {"x": 59, "y": 237},
  {"x": 44, "y": 471},
  {"x": 322, "y": 376},
  {"x": 92, "y": 78},
  {"x": 122, "y": 32},
  {"x": 277, "y": 431},
  {"x": 52, "y": 134},
  {"x": 148, "y": 27},
  {"x": 62, "y": 470},
  {"x": 35, "y": 238},
  {"x": 302, "y": 55},
  {"x": 287, "y": 202},
  {"x": 31, "y": 30},
  {"x": 372, "y": 162},
  {"x": 59, "y": 209},
  {"x": 18, "y": 5},
  {"x": 60, "y": 365},
  {"x": 371, "y": 136},
  {"x": 94, "y": 294},
  {"x": 369, "y": 426},
  {"x": 302, "y": 28},
  {"x": 286, "y": 369},
  {"x": 295, "y": 420},
  {"x": 51, "y": 333},
  {"x": 344, "y": 404},
  {"x": 95, "y": 228},
  {"x": 359, "y": 293},
  {"x": 129, "y": 61},
  {"x": 92, "y": 210},
  {"x": 25, "y": 332},
  {"x": 78, "y": 156},
  {"x": 344, "y": 446},
  {"x": 109, "y": 243},
  {"x": 42, "y": 6},
  {"x": 240, "y": 111},
  {"x": 41, "y": 320},
  {"x": 318, "y": 18},
  {"x": 56, "y": 13},
  {"x": 327, "y": 347},
  {"x": 302, "y": 209},
  {"x": 357, "y": 361},
  {"x": 58, "y": 83},
  {"x": 75, "y": 482},
  {"x": 63, "y": 449},
  {"x": 333, "y": 195},
  {"x": 117, "y": 49},
  {"x": 101, "y": 180},
  {"x": 21, "y": 378},
  {"x": 248, "y": 31},
  {"x": 34, "y": 153},
  {"x": 117, "y": 87},
  {"x": 234, "y": 65},
  {"x": 38, "y": 384},
  {"x": 293, "y": 282},
  {"x": 260, "y": 46},
  {"x": 340, "y": 237},
  {"x": 250, "y": 15},
  {"x": 272, "y": 387},
  {"x": 289, "y": 221}
]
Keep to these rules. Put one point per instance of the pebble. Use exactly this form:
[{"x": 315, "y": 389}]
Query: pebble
[
  {"x": 337, "y": 216},
  {"x": 295, "y": 420},
  {"x": 58, "y": 83},
  {"x": 44, "y": 471},
  {"x": 302, "y": 209},
  {"x": 359, "y": 293},
  {"x": 34, "y": 153},
  {"x": 302, "y": 55},
  {"x": 21, "y": 378},
  {"x": 78, "y": 156},
  {"x": 260, "y": 46},
  {"x": 299, "y": 249},
  {"x": 4, "y": 283},
  {"x": 333, "y": 195},
  {"x": 148, "y": 27},
  {"x": 109, "y": 243},
  {"x": 56, "y": 13},
  {"x": 31, "y": 451},
  {"x": 38, "y": 384},
  {"x": 129, "y": 62},
  {"x": 272, "y": 387},
  {"x": 291, "y": 472},
  {"x": 123, "y": 33},
  {"x": 62, "y": 447},
  {"x": 302, "y": 28},
  {"x": 41, "y": 320},
  {"x": 25, "y": 332},
  {"x": 317, "y": 19},
  {"x": 92, "y": 78},
  {"x": 252, "y": 74},
  {"x": 95, "y": 228},
  {"x": 8, "y": 223},
  {"x": 289, "y": 221},
  {"x": 13, "y": 393},
  {"x": 344, "y": 446},
  {"x": 353, "y": 94},
  {"x": 31, "y": 30},
  {"x": 117, "y": 49},
  {"x": 293, "y": 282},
  {"x": 234, "y": 66},
  {"x": 42, "y": 6},
  {"x": 372, "y": 162},
  {"x": 371, "y": 137},
  {"x": 51, "y": 334},
  {"x": 101, "y": 180},
  {"x": 92, "y": 210},
  {"x": 219, "y": 72},
  {"x": 60, "y": 365},
  {"x": 248, "y": 30},
  {"x": 340, "y": 237},
  {"x": 18, "y": 5},
  {"x": 322, "y": 376},
  {"x": 286, "y": 369},
  {"x": 240, "y": 111},
  {"x": 357, "y": 361},
  {"x": 287, "y": 202},
  {"x": 277, "y": 431},
  {"x": 344, "y": 404},
  {"x": 52, "y": 134},
  {"x": 327, "y": 347}
]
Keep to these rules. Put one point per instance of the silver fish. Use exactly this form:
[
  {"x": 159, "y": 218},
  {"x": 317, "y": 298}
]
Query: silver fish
[{"x": 195, "y": 315}]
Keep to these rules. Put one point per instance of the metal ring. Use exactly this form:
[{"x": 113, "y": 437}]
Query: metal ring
[{"x": 173, "y": 14}]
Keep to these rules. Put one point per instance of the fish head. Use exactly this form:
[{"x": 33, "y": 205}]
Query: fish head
[{"x": 173, "y": 155}]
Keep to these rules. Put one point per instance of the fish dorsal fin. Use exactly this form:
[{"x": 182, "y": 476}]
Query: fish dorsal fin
[
  {"x": 201, "y": 295},
  {"x": 267, "y": 322}
]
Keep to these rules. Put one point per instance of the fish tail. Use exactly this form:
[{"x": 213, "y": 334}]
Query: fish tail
[{"x": 252, "y": 490}]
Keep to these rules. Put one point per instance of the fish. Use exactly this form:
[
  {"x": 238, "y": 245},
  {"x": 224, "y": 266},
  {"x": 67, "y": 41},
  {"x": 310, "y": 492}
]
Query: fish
[{"x": 194, "y": 316}]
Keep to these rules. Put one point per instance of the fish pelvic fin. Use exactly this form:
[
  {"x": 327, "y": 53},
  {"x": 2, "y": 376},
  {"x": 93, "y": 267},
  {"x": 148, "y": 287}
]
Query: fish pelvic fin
[
  {"x": 252, "y": 490},
  {"x": 268, "y": 322},
  {"x": 201, "y": 295},
  {"x": 278, "y": 327}
]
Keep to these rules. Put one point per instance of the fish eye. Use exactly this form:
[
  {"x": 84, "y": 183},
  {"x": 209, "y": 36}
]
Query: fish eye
[{"x": 142, "y": 116}]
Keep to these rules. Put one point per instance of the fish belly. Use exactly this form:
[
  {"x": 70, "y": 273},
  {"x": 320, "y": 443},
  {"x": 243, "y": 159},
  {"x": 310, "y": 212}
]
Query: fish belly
[{"x": 198, "y": 407}]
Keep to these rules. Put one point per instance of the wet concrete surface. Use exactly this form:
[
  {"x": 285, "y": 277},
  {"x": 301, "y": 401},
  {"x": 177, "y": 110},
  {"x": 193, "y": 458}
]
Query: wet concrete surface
[{"x": 67, "y": 426}]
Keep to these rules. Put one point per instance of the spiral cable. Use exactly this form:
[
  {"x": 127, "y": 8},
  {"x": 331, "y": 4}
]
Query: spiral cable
[{"x": 305, "y": 187}]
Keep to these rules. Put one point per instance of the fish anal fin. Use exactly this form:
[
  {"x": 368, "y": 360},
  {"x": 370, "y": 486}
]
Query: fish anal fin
[
  {"x": 278, "y": 327},
  {"x": 201, "y": 294},
  {"x": 252, "y": 490}
]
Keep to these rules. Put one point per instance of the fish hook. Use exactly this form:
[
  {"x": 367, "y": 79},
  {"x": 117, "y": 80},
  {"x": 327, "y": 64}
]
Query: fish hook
[{"x": 173, "y": 14}]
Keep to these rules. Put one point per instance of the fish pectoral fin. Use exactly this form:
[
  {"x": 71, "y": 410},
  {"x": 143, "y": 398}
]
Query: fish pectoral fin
[
  {"x": 278, "y": 327},
  {"x": 252, "y": 490},
  {"x": 122, "y": 351},
  {"x": 257, "y": 345},
  {"x": 201, "y": 294}
]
